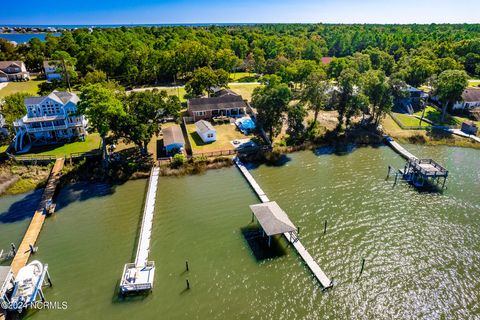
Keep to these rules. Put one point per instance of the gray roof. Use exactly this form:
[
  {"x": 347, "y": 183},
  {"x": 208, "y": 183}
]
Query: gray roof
[
  {"x": 272, "y": 218},
  {"x": 204, "y": 126},
  {"x": 59, "y": 96},
  {"x": 471, "y": 95},
  {"x": 172, "y": 135},
  {"x": 226, "y": 101},
  {"x": 6, "y": 64}
]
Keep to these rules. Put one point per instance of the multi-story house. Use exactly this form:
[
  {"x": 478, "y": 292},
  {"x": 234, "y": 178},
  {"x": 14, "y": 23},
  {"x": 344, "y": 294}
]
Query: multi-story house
[
  {"x": 49, "y": 120},
  {"x": 52, "y": 70},
  {"x": 13, "y": 71}
]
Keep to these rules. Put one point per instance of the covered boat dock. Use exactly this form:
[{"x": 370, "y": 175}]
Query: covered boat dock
[
  {"x": 273, "y": 220},
  {"x": 421, "y": 171}
]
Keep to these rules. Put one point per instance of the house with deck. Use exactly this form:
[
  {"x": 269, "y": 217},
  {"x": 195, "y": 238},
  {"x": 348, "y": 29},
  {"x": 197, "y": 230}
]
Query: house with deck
[
  {"x": 52, "y": 70},
  {"x": 50, "y": 119},
  {"x": 13, "y": 71},
  {"x": 224, "y": 103},
  {"x": 470, "y": 99}
]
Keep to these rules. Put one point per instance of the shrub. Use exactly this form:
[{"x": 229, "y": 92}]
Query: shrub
[{"x": 178, "y": 160}]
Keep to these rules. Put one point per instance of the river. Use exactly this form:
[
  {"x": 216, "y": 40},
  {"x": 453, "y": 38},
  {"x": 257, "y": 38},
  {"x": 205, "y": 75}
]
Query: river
[{"x": 422, "y": 250}]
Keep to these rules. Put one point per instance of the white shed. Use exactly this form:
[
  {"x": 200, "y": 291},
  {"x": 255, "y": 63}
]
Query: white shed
[{"x": 206, "y": 131}]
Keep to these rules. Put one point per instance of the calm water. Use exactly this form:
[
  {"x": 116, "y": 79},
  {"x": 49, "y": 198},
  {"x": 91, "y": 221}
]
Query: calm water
[
  {"x": 422, "y": 250},
  {"x": 24, "y": 37}
]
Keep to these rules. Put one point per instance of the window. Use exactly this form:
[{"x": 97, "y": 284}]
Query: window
[
  {"x": 210, "y": 135},
  {"x": 199, "y": 113}
]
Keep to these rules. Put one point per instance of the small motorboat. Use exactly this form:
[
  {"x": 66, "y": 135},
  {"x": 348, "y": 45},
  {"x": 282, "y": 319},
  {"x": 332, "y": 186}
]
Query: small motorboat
[{"x": 27, "y": 283}]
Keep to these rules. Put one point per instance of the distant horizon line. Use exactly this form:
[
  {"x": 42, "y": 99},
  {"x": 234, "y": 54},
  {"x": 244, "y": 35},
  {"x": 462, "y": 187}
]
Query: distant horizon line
[{"x": 226, "y": 24}]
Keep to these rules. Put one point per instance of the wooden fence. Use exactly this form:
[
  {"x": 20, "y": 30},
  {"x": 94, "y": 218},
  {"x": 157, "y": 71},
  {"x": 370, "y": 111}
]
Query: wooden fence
[{"x": 47, "y": 158}]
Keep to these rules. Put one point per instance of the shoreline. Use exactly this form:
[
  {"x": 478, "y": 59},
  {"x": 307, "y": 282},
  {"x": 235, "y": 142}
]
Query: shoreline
[{"x": 26, "y": 178}]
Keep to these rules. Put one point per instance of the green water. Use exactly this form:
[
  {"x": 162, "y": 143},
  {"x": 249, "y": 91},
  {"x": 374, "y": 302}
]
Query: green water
[{"x": 422, "y": 250}]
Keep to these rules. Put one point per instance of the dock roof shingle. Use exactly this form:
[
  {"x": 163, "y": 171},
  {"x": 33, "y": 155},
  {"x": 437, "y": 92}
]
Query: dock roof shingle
[{"x": 272, "y": 218}]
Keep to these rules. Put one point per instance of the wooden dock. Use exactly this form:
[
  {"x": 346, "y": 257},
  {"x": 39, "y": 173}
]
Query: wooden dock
[
  {"x": 310, "y": 262},
  {"x": 400, "y": 150},
  {"x": 33, "y": 231}
]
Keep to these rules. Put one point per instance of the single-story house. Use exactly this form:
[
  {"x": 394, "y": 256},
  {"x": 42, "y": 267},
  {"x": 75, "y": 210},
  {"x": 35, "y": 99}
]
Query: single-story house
[
  {"x": 52, "y": 70},
  {"x": 206, "y": 131},
  {"x": 471, "y": 99},
  {"x": 13, "y": 71},
  {"x": 173, "y": 140},
  {"x": 225, "y": 103},
  {"x": 469, "y": 127}
]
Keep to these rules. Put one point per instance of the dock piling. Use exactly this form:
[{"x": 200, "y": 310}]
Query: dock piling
[
  {"x": 325, "y": 227},
  {"x": 186, "y": 265},
  {"x": 188, "y": 285},
  {"x": 363, "y": 265}
]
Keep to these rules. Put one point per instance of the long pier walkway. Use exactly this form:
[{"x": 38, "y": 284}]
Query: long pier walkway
[
  {"x": 312, "y": 265},
  {"x": 33, "y": 231},
  {"x": 138, "y": 276},
  {"x": 146, "y": 229}
]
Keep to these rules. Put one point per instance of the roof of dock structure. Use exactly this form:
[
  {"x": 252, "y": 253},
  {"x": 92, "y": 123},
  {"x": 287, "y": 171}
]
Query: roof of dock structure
[
  {"x": 428, "y": 167},
  {"x": 272, "y": 218}
]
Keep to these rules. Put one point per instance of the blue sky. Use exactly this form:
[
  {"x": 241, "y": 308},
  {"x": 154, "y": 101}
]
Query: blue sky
[{"x": 247, "y": 11}]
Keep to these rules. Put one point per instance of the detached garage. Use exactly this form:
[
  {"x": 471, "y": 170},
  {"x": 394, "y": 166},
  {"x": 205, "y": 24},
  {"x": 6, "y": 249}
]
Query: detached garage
[
  {"x": 206, "y": 131},
  {"x": 173, "y": 140}
]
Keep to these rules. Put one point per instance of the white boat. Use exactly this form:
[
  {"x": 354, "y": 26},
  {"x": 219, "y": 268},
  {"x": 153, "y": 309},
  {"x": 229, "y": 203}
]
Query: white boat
[{"x": 28, "y": 283}]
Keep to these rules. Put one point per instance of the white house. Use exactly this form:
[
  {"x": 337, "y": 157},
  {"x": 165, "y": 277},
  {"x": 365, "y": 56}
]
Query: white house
[
  {"x": 52, "y": 70},
  {"x": 13, "y": 71},
  {"x": 51, "y": 119},
  {"x": 471, "y": 99},
  {"x": 206, "y": 131}
]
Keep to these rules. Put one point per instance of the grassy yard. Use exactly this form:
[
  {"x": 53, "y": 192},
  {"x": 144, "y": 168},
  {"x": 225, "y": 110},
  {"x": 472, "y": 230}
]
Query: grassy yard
[
  {"x": 244, "y": 89},
  {"x": 225, "y": 134},
  {"x": 410, "y": 121},
  {"x": 92, "y": 142},
  {"x": 433, "y": 114},
  {"x": 30, "y": 87},
  {"x": 243, "y": 77},
  {"x": 474, "y": 83}
]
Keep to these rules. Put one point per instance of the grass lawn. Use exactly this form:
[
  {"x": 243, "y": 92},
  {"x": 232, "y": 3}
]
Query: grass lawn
[
  {"x": 475, "y": 83},
  {"x": 92, "y": 142},
  {"x": 243, "y": 77},
  {"x": 410, "y": 121},
  {"x": 180, "y": 92},
  {"x": 433, "y": 114},
  {"x": 244, "y": 89},
  {"x": 225, "y": 134},
  {"x": 30, "y": 87}
]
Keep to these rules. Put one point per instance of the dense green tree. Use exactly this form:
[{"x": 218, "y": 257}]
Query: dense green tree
[
  {"x": 296, "y": 117},
  {"x": 206, "y": 79},
  {"x": 13, "y": 108},
  {"x": 102, "y": 108},
  {"x": 271, "y": 102},
  {"x": 378, "y": 90},
  {"x": 448, "y": 88},
  {"x": 227, "y": 60},
  {"x": 316, "y": 94}
]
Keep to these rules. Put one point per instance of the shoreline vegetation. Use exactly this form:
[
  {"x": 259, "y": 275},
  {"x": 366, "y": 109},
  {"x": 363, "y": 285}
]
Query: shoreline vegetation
[{"x": 17, "y": 178}]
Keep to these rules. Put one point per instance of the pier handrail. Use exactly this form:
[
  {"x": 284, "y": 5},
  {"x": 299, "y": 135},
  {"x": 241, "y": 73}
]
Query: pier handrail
[{"x": 144, "y": 216}]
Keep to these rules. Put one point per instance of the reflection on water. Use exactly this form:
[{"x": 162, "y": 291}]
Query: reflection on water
[{"x": 422, "y": 250}]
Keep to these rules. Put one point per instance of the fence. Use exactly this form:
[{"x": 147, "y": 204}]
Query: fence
[
  {"x": 188, "y": 145},
  {"x": 47, "y": 158},
  {"x": 400, "y": 124},
  {"x": 215, "y": 153}
]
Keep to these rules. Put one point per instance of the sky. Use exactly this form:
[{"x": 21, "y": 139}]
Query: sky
[{"x": 47, "y": 12}]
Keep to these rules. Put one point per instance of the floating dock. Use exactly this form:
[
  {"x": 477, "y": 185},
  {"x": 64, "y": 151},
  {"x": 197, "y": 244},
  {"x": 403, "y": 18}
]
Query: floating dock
[
  {"x": 138, "y": 276},
  {"x": 33, "y": 231},
  {"x": 307, "y": 258}
]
